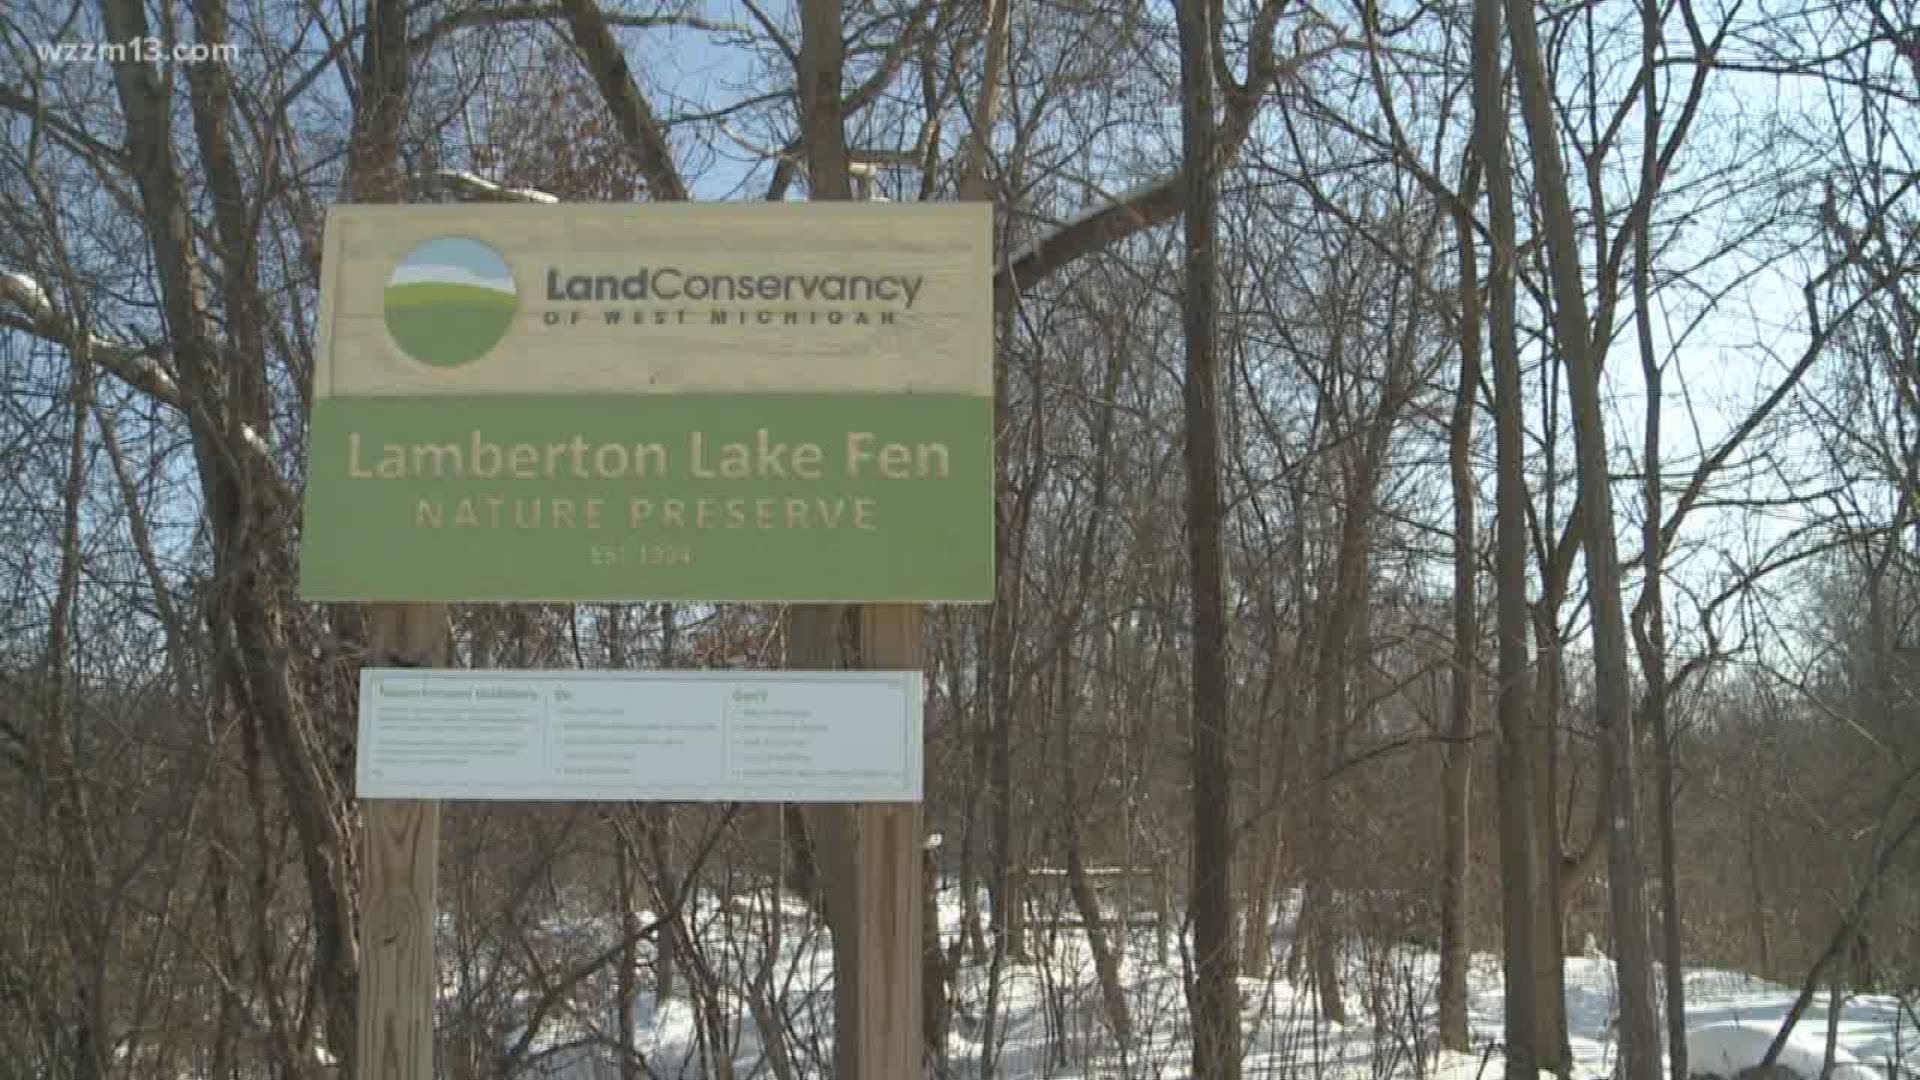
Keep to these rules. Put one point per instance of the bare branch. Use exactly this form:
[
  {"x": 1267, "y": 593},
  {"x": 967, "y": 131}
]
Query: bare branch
[
  {"x": 66, "y": 134},
  {"x": 1158, "y": 201},
  {"x": 130, "y": 364},
  {"x": 471, "y": 18},
  {"x": 631, "y": 113}
]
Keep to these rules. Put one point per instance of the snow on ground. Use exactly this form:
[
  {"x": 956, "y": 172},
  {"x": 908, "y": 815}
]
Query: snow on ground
[
  {"x": 1875, "y": 1030},
  {"x": 1051, "y": 1021},
  {"x": 1731, "y": 1048}
]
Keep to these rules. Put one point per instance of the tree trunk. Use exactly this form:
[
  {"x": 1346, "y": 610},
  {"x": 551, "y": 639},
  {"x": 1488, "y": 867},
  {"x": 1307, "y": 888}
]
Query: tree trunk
[
  {"x": 1106, "y": 963},
  {"x": 1006, "y": 883},
  {"x": 1650, "y": 615},
  {"x": 1319, "y": 922},
  {"x": 1319, "y": 928},
  {"x": 1550, "y": 948},
  {"x": 1213, "y": 997},
  {"x": 936, "y": 999},
  {"x": 1007, "y": 886},
  {"x": 972, "y": 941},
  {"x": 624, "y": 990},
  {"x": 1066, "y": 708},
  {"x": 1518, "y": 896},
  {"x": 1626, "y": 878},
  {"x": 1259, "y": 900},
  {"x": 1456, "y": 775},
  {"x": 1836, "y": 997},
  {"x": 660, "y": 819},
  {"x": 1763, "y": 954},
  {"x": 1555, "y": 892},
  {"x": 255, "y": 657},
  {"x": 666, "y": 946}
]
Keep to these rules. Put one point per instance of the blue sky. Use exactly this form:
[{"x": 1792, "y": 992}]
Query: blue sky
[{"x": 454, "y": 259}]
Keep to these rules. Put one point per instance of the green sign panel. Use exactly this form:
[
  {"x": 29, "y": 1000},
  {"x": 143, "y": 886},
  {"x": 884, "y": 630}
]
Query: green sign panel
[
  {"x": 797, "y": 497},
  {"x": 783, "y": 403}
]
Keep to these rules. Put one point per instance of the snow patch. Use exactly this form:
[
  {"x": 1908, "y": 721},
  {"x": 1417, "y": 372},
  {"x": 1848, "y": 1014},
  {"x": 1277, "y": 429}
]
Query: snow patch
[{"x": 1725, "y": 1050}]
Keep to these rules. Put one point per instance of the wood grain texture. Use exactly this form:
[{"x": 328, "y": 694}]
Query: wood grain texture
[
  {"x": 400, "y": 847},
  {"x": 888, "y": 840}
]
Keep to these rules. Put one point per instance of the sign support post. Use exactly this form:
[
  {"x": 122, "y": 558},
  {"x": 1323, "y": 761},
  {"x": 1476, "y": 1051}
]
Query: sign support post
[
  {"x": 399, "y": 861},
  {"x": 880, "y": 1014},
  {"x": 887, "y": 839},
  {"x": 873, "y": 882}
]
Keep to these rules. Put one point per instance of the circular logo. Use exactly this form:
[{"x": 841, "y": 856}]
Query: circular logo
[{"x": 449, "y": 301}]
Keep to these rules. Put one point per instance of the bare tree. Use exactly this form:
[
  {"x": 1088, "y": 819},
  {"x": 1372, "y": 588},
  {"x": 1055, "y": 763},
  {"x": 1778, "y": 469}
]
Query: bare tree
[
  {"x": 1213, "y": 995},
  {"x": 1518, "y": 884}
]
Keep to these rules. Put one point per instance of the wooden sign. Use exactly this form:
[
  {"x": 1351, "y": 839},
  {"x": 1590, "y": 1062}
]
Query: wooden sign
[{"x": 741, "y": 402}]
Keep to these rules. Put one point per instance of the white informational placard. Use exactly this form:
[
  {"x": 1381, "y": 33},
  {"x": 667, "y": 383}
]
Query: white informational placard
[{"x": 668, "y": 736}]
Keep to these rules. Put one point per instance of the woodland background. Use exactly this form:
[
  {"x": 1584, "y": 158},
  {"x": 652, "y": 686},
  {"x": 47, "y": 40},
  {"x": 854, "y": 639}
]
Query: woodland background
[{"x": 1459, "y": 465}]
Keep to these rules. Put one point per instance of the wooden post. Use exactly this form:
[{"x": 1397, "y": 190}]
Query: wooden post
[
  {"x": 869, "y": 859},
  {"x": 887, "y": 840},
  {"x": 873, "y": 891},
  {"x": 398, "y": 859}
]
